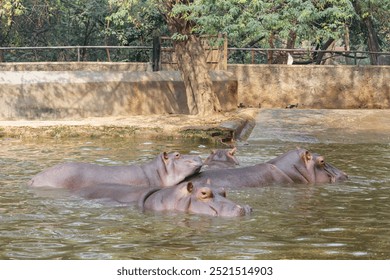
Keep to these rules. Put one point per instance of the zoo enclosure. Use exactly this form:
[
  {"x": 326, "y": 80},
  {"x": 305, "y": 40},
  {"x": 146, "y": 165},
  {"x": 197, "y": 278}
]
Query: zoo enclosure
[{"x": 162, "y": 57}]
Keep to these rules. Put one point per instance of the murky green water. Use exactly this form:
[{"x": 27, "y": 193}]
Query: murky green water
[{"x": 343, "y": 221}]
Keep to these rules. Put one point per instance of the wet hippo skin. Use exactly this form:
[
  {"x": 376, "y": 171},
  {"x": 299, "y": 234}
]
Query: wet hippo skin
[
  {"x": 165, "y": 170},
  {"x": 185, "y": 197},
  {"x": 294, "y": 167},
  {"x": 221, "y": 158}
]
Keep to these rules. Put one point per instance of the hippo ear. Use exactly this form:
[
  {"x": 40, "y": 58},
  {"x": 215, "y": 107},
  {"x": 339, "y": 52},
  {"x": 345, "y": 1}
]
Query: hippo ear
[
  {"x": 208, "y": 182},
  {"x": 306, "y": 156},
  {"x": 190, "y": 187},
  {"x": 165, "y": 156}
]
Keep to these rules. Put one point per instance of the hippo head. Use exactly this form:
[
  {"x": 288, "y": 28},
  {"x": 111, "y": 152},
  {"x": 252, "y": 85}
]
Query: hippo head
[
  {"x": 304, "y": 167},
  {"x": 195, "y": 199},
  {"x": 222, "y": 158},
  {"x": 176, "y": 167},
  {"x": 203, "y": 199}
]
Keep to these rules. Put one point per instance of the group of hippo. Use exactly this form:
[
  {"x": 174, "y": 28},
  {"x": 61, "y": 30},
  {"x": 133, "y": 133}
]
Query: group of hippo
[{"x": 175, "y": 182}]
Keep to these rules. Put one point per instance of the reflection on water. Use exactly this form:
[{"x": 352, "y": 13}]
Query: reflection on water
[{"x": 343, "y": 221}]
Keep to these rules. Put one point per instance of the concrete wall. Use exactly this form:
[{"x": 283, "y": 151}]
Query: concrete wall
[
  {"x": 74, "y": 90},
  {"x": 80, "y": 94},
  {"x": 312, "y": 86}
]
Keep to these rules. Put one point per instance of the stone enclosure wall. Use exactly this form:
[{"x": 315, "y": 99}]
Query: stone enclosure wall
[
  {"x": 79, "y": 90},
  {"x": 313, "y": 86}
]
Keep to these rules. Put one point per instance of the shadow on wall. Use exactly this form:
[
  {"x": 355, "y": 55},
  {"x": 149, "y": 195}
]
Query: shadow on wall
[
  {"x": 80, "y": 94},
  {"x": 315, "y": 86}
]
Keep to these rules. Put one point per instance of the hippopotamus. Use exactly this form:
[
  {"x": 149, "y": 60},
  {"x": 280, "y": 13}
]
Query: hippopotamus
[
  {"x": 221, "y": 158},
  {"x": 294, "y": 167},
  {"x": 185, "y": 197},
  {"x": 167, "y": 169},
  {"x": 304, "y": 167}
]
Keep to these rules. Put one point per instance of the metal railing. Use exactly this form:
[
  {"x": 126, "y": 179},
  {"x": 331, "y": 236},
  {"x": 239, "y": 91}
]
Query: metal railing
[
  {"x": 235, "y": 55},
  {"x": 81, "y": 51},
  {"x": 300, "y": 56}
]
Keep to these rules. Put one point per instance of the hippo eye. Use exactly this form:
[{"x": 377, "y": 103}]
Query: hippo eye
[
  {"x": 320, "y": 161},
  {"x": 204, "y": 194},
  {"x": 177, "y": 155}
]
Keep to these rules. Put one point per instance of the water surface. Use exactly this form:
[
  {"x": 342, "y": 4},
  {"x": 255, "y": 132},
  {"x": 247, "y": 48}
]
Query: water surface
[{"x": 350, "y": 220}]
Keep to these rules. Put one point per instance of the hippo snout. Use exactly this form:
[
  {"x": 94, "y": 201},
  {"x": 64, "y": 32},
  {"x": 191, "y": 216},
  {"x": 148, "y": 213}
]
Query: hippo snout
[
  {"x": 343, "y": 176},
  {"x": 197, "y": 163},
  {"x": 245, "y": 210},
  {"x": 242, "y": 210}
]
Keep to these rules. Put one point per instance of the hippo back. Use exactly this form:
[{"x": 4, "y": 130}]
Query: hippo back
[
  {"x": 165, "y": 170},
  {"x": 259, "y": 175}
]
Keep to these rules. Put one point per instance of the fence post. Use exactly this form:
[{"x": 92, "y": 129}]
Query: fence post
[
  {"x": 224, "y": 57},
  {"x": 78, "y": 53},
  {"x": 156, "y": 53}
]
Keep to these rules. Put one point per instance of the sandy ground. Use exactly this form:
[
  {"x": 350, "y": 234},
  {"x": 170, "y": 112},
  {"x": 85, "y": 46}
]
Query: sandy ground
[{"x": 126, "y": 126}]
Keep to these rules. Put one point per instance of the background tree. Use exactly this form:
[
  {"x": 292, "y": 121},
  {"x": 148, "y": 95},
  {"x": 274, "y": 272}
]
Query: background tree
[
  {"x": 9, "y": 10},
  {"x": 191, "y": 57},
  {"x": 135, "y": 23},
  {"x": 278, "y": 24},
  {"x": 181, "y": 19},
  {"x": 372, "y": 24}
]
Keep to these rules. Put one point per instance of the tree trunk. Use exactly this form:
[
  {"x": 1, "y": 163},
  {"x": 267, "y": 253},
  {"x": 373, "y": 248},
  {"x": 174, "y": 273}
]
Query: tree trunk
[
  {"x": 270, "y": 54},
  {"x": 372, "y": 41},
  {"x": 347, "y": 38},
  {"x": 191, "y": 58},
  {"x": 324, "y": 47}
]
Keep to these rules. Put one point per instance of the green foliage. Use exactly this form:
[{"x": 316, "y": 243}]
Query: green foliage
[
  {"x": 253, "y": 23},
  {"x": 135, "y": 22},
  {"x": 256, "y": 23},
  {"x": 9, "y": 11},
  {"x": 378, "y": 11}
]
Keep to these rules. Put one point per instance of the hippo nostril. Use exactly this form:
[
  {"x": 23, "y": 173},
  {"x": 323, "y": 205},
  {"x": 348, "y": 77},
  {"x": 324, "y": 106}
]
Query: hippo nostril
[
  {"x": 246, "y": 210},
  {"x": 204, "y": 195},
  {"x": 241, "y": 211}
]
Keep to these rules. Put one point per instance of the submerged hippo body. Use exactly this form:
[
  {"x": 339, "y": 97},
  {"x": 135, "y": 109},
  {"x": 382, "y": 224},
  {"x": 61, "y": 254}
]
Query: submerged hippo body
[
  {"x": 258, "y": 175},
  {"x": 165, "y": 170},
  {"x": 185, "y": 197},
  {"x": 221, "y": 158},
  {"x": 296, "y": 166}
]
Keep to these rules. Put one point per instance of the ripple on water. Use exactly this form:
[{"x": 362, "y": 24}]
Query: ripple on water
[{"x": 349, "y": 220}]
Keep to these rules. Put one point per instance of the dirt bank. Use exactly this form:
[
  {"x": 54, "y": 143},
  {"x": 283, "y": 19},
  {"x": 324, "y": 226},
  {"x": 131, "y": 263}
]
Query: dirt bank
[
  {"x": 221, "y": 127},
  {"x": 237, "y": 125}
]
